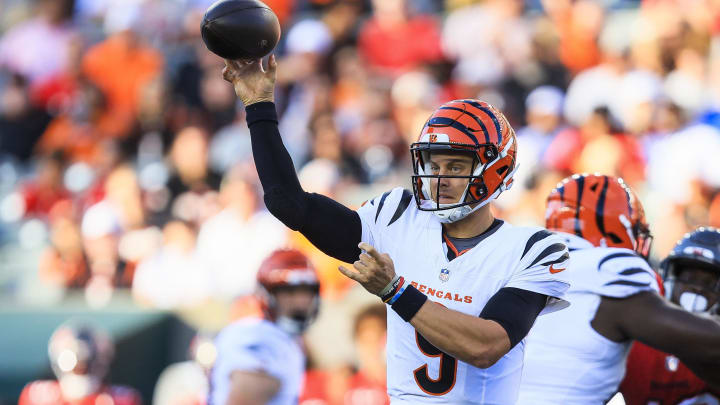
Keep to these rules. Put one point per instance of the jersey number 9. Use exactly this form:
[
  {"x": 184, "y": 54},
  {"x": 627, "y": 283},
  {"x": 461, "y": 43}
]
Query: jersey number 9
[{"x": 446, "y": 376}]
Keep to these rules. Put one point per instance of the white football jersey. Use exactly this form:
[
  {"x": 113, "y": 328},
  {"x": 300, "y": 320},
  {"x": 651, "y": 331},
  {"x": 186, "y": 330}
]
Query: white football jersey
[
  {"x": 257, "y": 345},
  {"x": 566, "y": 361},
  {"x": 508, "y": 256}
]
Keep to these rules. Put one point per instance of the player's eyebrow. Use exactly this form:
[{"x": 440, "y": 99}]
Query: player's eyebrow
[{"x": 451, "y": 160}]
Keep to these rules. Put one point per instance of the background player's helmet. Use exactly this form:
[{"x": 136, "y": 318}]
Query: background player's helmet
[
  {"x": 80, "y": 356},
  {"x": 465, "y": 126},
  {"x": 601, "y": 209},
  {"x": 697, "y": 249},
  {"x": 287, "y": 268}
]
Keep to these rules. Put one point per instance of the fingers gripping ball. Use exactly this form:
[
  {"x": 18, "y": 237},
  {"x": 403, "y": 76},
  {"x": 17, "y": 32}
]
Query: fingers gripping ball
[{"x": 240, "y": 29}]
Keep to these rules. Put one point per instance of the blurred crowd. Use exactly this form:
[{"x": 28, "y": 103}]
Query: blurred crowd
[{"x": 125, "y": 161}]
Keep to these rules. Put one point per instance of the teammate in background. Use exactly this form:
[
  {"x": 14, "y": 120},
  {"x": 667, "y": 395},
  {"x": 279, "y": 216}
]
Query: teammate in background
[
  {"x": 692, "y": 280},
  {"x": 260, "y": 361},
  {"x": 577, "y": 356},
  {"x": 80, "y": 356},
  {"x": 488, "y": 280}
]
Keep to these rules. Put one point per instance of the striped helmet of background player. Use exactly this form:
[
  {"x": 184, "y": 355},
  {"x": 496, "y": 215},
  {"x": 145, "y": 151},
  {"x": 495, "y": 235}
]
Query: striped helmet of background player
[
  {"x": 692, "y": 271},
  {"x": 471, "y": 127},
  {"x": 601, "y": 209},
  {"x": 284, "y": 273}
]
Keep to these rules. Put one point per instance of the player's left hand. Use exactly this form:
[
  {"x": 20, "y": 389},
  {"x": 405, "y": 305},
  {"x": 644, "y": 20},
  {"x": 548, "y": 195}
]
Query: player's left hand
[{"x": 373, "y": 270}]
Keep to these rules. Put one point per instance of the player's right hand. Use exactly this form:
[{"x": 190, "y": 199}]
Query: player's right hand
[
  {"x": 252, "y": 83},
  {"x": 373, "y": 270}
]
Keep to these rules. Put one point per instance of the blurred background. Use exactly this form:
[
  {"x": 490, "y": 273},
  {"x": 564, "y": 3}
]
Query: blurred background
[{"x": 129, "y": 198}]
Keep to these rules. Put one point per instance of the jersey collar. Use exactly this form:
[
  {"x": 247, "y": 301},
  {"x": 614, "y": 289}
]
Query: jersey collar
[{"x": 574, "y": 242}]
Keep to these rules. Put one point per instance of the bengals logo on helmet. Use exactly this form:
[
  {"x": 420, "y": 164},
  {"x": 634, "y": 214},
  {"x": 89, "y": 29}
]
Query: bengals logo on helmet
[
  {"x": 601, "y": 209},
  {"x": 432, "y": 138}
]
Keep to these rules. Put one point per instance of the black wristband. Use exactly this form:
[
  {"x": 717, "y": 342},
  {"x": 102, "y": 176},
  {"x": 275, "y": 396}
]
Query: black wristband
[
  {"x": 409, "y": 303},
  {"x": 262, "y": 111}
]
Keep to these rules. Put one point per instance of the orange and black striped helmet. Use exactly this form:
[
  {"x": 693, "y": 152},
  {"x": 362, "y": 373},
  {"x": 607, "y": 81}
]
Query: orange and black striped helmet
[
  {"x": 466, "y": 126},
  {"x": 601, "y": 209}
]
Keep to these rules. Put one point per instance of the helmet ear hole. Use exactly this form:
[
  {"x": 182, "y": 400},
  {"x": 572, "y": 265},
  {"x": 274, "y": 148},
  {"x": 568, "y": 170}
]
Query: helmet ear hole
[
  {"x": 490, "y": 154},
  {"x": 477, "y": 191}
]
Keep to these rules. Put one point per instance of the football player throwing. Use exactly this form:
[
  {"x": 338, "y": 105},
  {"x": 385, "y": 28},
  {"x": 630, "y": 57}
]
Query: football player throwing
[{"x": 464, "y": 287}]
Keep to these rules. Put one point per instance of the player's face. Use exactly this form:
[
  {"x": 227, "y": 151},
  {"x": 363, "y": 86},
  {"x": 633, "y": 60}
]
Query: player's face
[
  {"x": 692, "y": 282},
  {"x": 449, "y": 164},
  {"x": 295, "y": 302}
]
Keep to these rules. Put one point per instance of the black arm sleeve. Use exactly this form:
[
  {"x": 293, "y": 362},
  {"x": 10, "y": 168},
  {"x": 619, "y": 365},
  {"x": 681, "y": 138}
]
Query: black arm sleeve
[
  {"x": 515, "y": 310},
  {"x": 329, "y": 225}
]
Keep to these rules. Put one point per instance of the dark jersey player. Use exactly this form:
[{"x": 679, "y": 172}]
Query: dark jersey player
[{"x": 692, "y": 280}]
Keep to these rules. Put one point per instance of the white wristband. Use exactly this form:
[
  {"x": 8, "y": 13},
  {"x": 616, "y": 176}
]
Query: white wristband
[{"x": 389, "y": 286}]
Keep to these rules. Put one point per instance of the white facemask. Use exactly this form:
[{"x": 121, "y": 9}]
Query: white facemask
[
  {"x": 76, "y": 387},
  {"x": 693, "y": 302},
  {"x": 292, "y": 326}
]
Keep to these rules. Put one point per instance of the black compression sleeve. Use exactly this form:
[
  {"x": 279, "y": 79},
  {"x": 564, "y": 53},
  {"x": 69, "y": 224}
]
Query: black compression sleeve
[
  {"x": 515, "y": 310},
  {"x": 329, "y": 225}
]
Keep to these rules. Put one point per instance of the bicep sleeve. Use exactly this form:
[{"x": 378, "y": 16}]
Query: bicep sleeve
[
  {"x": 515, "y": 310},
  {"x": 329, "y": 225}
]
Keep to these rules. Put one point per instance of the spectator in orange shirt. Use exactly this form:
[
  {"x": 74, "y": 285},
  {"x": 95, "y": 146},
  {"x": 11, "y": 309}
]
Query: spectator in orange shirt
[{"x": 121, "y": 66}]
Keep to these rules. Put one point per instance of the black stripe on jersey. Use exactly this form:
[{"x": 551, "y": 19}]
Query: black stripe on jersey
[
  {"x": 615, "y": 256},
  {"x": 580, "y": 186},
  {"x": 628, "y": 283},
  {"x": 633, "y": 270},
  {"x": 558, "y": 260},
  {"x": 554, "y": 248},
  {"x": 600, "y": 207},
  {"x": 404, "y": 203},
  {"x": 380, "y": 205},
  {"x": 537, "y": 236}
]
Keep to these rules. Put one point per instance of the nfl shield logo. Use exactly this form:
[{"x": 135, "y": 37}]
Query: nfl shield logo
[
  {"x": 444, "y": 275},
  {"x": 672, "y": 363}
]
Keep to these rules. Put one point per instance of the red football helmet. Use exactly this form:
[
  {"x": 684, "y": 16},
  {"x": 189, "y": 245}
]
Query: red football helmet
[
  {"x": 601, "y": 209},
  {"x": 472, "y": 127},
  {"x": 287, "y": 269}
]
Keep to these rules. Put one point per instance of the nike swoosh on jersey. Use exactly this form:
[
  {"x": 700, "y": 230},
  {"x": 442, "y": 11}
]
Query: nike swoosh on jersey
[{"x": 554, "y": 270}]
